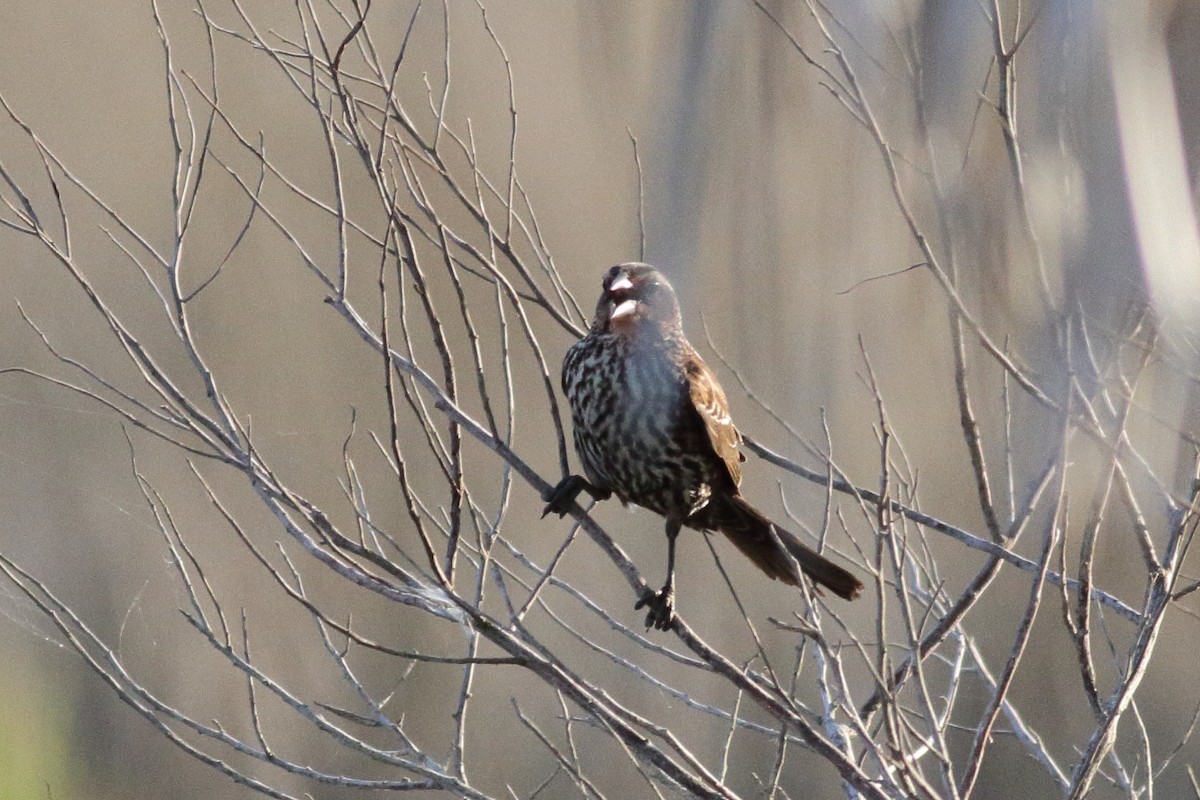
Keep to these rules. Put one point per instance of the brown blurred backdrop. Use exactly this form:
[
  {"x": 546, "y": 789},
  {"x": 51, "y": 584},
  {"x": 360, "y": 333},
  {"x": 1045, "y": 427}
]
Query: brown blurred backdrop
[{"x": 765, "y": 203}]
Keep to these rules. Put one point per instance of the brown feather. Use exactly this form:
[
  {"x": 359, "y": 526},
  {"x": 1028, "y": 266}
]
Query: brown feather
[
  {"x": 708, "y": 398},
  {"x": 751, "y": 532}
]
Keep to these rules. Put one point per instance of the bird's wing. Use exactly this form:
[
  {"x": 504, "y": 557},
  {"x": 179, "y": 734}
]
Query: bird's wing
[
  {"x": 708, "y": 398},
  {"x": 574, "y": 353}
]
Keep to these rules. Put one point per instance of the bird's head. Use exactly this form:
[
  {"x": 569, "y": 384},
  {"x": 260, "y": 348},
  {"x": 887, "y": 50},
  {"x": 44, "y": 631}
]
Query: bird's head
[{"x": 634, "y": 295}]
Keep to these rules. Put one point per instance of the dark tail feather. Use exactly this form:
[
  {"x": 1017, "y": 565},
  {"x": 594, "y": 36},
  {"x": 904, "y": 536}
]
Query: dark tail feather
[{"x": 750, "y": 532}]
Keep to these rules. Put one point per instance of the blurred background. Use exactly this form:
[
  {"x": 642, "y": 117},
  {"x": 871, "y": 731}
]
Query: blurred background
[{"x": 765, "y": 202}]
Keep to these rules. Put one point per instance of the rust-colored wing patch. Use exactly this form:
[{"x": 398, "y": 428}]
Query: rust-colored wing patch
[{"x": 708, "y": 398}]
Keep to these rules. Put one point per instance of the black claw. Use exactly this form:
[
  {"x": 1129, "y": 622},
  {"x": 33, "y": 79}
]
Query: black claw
[
  {"x": 661, "y": 605},
  {"x": 560, "y": 498}
]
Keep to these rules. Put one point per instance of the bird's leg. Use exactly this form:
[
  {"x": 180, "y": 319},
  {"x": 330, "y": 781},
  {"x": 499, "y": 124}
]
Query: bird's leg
[
  {"x": 661, "y": 604},
  {"x": 560, "y": 498}
]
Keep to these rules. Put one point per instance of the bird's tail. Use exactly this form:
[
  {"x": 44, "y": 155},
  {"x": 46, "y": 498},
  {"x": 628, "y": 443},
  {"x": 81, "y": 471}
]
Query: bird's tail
[{"x": 751, "y": 532}]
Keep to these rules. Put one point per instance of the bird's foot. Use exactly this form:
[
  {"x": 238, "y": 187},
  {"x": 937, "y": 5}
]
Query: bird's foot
[
  {"x": 660, "y": 607},
  {"x": 559, "y": 499}
]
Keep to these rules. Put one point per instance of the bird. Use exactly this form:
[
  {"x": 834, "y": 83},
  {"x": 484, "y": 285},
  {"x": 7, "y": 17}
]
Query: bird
[{"x": 652, "y": 426}]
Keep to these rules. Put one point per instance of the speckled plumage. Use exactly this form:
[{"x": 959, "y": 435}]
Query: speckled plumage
[
  {"x": 634, "y": 429},
  {"x": 652, "y": 425}
]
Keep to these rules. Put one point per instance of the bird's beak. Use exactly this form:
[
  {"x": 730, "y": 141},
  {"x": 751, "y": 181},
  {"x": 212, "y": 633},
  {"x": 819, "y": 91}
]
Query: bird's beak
[
  {"x": 623, "y": 309},
  {"x": 621, "y": 284}
]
